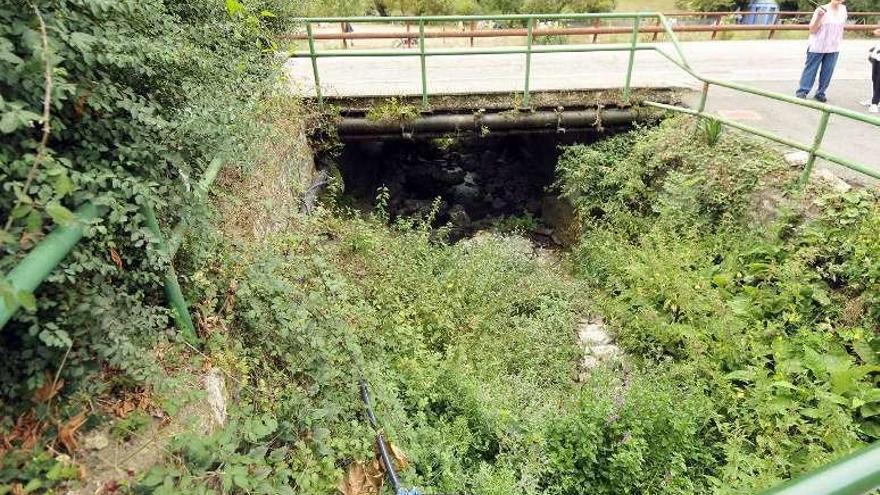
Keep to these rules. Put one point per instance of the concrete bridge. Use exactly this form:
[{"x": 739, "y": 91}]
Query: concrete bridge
[{"x": 771, "y": 65}]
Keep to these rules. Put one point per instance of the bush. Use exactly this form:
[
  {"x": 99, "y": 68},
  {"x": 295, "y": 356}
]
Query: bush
[
  {"x": 144, "y": 94},
  {"x": 769, "y": 318}
]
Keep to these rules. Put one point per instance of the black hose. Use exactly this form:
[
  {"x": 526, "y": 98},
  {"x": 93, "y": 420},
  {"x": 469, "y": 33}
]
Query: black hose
[{"x": 380, "y": 442}]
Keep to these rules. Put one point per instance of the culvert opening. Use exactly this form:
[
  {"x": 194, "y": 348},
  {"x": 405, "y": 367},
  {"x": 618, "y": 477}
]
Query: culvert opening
[
  {"x": 474, "y": 183},
  {"x": 494, "y": 176}
]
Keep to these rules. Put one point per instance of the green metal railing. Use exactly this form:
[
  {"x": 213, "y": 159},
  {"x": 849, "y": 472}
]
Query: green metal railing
[
  {"x": 814, "y": 149},
  {"x": 856, "y": 474},
  {"x": 40, "y": 261}
]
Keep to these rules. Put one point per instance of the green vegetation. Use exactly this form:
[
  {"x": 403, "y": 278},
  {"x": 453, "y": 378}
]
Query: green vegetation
[
  {"x": 751, "y": 338},
  {"x": 458, "y": 7},
  {"x": 393, "y": 110},
  {"x": 751, "y": 331},
  {"x": 119, "y": 103},
  {"x": 775, "y": 320}
]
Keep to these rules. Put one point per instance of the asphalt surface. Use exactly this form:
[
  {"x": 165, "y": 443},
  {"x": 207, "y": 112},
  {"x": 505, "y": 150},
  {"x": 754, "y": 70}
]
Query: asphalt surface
[{"x": 771, "y": 65}]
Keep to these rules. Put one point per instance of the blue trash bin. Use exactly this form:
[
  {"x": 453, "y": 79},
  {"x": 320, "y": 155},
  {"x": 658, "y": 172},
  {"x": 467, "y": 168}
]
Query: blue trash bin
[{"x": 761, "y": 12}]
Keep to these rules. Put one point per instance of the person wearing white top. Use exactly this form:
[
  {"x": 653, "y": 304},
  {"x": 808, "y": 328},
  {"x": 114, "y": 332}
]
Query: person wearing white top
[{"x": 826, "y": 33}]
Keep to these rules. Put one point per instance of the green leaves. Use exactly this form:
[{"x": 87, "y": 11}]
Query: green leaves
[
  {"x": 234, "y": 8},
  {"x": 15, "y": 116},
  {"x": 771, "y": 318},
  {"x": 59, "y": 214}
]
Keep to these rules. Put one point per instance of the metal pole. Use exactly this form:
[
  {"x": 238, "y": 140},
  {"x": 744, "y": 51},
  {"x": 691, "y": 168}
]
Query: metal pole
[
  {"x": 817, "y": 142},
  {"x": 529, "y": 25},
  {"x": 703, "y": 97},
  {"x": 424, "y": 65},
  {"x": 179, "y": 308},
  {"x": 632, "y": 55},
  {"x": 39, "y": 263},
  {"x": 674, "y": 39},
  {"x": 314, "y": 63},
  {"x": 200, "y": 192}
]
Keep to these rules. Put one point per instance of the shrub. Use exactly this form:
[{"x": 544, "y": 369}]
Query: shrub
[
  {"x": 144, "y": 94},
  {"x": 769, "y": 318}
]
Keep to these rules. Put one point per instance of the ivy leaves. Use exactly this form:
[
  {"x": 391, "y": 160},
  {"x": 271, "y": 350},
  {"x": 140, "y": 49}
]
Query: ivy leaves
[{"x": 15, "y": 116}]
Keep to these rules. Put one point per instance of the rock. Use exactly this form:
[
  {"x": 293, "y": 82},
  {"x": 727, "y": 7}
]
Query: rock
[
  {"x": 605, "y": 351},
  {"x": 827, "y": 176},
  {"x": 215, "y": 387},
  {"x": 415, "y": 207},
  {"x": 589, "y": 362},
  {"x": 598, "y": 346},
  {"x": 465, "y": 192},
  {"x": 796, "y": 158},
  {"x": 96, "y": 440},
  {"x": 458, "y": 216},
  {"x": 593, "y": 333},
  {"x": 560, "y": 214},
  {"x": 498, "y": 203}
]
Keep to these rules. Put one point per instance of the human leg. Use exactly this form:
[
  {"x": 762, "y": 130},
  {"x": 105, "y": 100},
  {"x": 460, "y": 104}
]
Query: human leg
[
  {"x": 829, "y": 60},
  {"x": 808, "y": 76},
  {"x": 875, "y": 78}
]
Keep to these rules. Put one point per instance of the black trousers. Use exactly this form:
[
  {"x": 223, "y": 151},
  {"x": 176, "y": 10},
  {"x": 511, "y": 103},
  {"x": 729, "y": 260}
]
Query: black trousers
[{"x": 875, "y": 79}]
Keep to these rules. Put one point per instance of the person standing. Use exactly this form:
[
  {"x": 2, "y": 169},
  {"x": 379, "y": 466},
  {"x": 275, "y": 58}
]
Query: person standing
[
  {"x": 826, "y": 33},
  {"x": 873, "y": 103}
]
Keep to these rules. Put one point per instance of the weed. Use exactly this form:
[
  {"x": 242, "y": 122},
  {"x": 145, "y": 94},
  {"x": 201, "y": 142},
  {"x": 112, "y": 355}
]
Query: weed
[
  {"x": 711, "y": 130},
  {"x": 393, "y": 110},
  {"x": 131, "y": 425}
]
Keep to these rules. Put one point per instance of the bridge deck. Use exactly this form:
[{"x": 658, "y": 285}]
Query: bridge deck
[{"x": 773, "y": 65}]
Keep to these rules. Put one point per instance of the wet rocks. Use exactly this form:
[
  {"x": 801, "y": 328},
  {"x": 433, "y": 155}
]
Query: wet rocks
[{"x": 480, "y": 181}]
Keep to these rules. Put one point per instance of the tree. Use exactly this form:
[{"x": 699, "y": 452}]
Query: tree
[
  {"x": 338, "y": 7},
  {"x": 466, "y": 7},
  {"x": 579, "y": 6},
  {"x": 501, "y": 6},
  {"x": 706, "y": 5},
  {"x": 425, "y": 7}
]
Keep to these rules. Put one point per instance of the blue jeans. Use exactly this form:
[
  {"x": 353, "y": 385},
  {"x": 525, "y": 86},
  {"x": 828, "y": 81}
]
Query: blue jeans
[{"x": 826, "y": 61}]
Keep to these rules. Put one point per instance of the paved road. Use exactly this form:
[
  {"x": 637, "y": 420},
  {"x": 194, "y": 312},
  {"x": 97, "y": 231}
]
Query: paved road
[{"x": 773, "y": 65}]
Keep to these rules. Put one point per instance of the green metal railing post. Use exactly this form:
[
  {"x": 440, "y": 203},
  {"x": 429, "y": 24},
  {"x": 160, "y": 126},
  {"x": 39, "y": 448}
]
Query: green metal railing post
[
  {"x": 529, "y": 38},
  {"x": 34, "y": 268},
  {"x": 424, "y": 63},
  {"x": 314, "y": 63},
  {"x": 817, "y": 143},
  {"x": 179, "y": 308},
  {"x": 674, "y": 39},
  {"x": 632, "y": 56},
  {"x": 200, "y": 193},
  {"x": 703, "y": 96}
]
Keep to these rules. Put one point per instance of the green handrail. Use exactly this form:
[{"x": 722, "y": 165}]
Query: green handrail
[
  {"x": 814, "y": 150},
  {"x": 38, "y": 264},
  {"x": 856, "y": 474},
  {"x": 34, "y": 268}
]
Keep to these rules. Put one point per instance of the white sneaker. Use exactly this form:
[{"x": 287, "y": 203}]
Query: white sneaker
[
  {"x": 874, "y": 109},
  {"x": 865, "y": 103}
]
